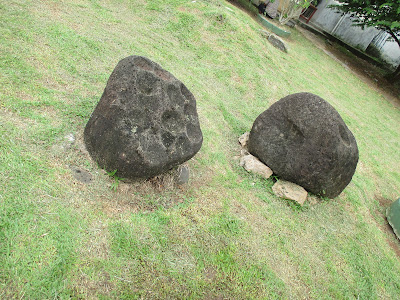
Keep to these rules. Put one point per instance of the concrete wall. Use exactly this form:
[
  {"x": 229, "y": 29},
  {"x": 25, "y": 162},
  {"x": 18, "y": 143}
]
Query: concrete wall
[
  {"x": 341, "y": 27},
  {"x": 353, "y": 35},
  {"x": 325, "y": 18},
  {"x": 389, "y": 49}
]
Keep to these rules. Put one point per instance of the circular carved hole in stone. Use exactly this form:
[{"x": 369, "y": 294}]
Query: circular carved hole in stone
[
  {"x": 147, "y": 82},
  {"x": 190, "y": 110},
  {"x": 172, "y": 121},
  {"x": 175, "y": 95},
  {"x": 167, "y": 139}
]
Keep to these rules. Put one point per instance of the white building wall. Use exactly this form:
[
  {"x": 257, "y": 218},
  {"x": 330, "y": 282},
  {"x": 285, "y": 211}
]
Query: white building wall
[
  {"x": 324, "y": 17},
  {"x": 390, "y": 52},
  {"x": 341, "y": 27},
  {"x": 353, "y": 35}
]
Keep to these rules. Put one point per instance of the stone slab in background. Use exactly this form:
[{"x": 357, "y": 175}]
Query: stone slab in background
[
  {"x": 145, "y": 123},
  {"x": 277, "y": 42},
  {"x": 272, "y": 8},
  {"x": 288, "y": 190}
]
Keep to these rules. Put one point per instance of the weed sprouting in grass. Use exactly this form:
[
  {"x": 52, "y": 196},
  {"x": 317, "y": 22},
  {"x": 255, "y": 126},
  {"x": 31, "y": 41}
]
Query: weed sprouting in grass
[{"x": 116, "y": 180}]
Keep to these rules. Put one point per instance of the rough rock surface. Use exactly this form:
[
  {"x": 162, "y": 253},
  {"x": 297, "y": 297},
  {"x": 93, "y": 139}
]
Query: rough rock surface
[
  {"x": 252, "y": 164},
  {"x": 303, "y": 139},
  {"x": 145, "y": 122},
  {"x": 288, "y": 190}
]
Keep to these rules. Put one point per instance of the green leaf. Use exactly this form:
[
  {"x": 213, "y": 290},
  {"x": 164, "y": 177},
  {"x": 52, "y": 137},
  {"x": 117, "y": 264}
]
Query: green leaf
[{"x": 395, "y": 25}]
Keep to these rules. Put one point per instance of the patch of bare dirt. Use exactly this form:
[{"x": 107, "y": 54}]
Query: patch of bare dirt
[{"x": 210, "y": 274}]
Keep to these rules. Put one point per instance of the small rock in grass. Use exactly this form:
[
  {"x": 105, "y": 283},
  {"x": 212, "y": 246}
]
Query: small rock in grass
[
  {"x": 288, "y": 190},
  {"x": 183, "y": 175},
  {"x": 67, "y": 142},
  {"x": 70, "y": 138},
  {"x": 252, "y": 164}
]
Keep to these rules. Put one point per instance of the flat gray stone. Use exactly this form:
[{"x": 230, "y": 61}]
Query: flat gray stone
[
  {"x": 272, "y": 9},
  {"x": 183, "y": 175},
  {"x": 277, "y": 42}
]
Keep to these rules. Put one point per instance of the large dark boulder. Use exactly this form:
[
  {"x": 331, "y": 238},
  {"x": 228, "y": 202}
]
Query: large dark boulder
[
  {"x": 303, "y": 139},
  {"x": 145, "y": 122}
]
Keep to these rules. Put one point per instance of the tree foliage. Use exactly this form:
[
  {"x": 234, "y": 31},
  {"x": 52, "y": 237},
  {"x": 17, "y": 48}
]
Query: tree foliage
[{"x": 381, "y": 14}]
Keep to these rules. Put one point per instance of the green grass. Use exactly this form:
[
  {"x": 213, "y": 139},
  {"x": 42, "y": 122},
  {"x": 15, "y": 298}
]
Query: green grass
[{"x": 224, "y": 235}]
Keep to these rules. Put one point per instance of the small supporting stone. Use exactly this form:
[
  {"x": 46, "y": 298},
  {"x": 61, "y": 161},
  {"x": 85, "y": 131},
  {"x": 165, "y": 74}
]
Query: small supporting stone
[
  {"x": 244, "y": 138},
  {"x": 252, "y": 164},
  {"x": 288, "y": 190}
]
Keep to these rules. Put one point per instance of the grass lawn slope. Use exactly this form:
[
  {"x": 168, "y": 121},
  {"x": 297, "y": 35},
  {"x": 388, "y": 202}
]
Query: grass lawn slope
[{"x": 222, "y": 236}]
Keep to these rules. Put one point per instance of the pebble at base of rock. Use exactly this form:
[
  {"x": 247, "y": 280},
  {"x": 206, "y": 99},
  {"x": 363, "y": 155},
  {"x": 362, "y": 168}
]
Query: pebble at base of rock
[
  {"x": 182, "y": 175},
  {"x": 145, "y": 123},
  {"x": 288, "y": 190},
  {"x": 243, "y": 139},
  {"x": 252, "y": 164}
]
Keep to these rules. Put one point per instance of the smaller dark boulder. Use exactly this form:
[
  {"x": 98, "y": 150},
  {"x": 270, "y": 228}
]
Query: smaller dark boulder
[{"x": 303, "y": 139}]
